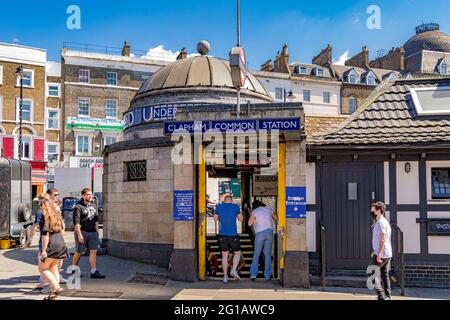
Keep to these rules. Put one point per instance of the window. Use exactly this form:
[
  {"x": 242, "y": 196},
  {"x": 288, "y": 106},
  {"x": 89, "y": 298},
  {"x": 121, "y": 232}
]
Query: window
[
  {"x": 109, "y": 140},
  {"x": 52, "y": 153},
  {"x": 27, "y": 110},
  {"x": 444, "y": 68},
  {"x": 431, "y": 100},
  {"x": 307, "y": 95},
  {"x": 371, "y": 81},
  {"x": 279, "y": 93},
  {"x": 83, "y": 107},
  {"x": 111, "y": 108},
  {"x": 303, "y": 70},
  {"x": 144, "y": 77},
  {"x": 440, "y": 183},
  {"x": 353, "y": 79},
  {"x": 352, "y": 104},
  {"x": 26, "y": 147},
  {"x": 137, "y": 171},
  {"x": 326, "y": 97},
  {"x": 83, "y": 145},
  {"x": 320, "y": 72},
  {"x": 84, "y": 75},
  {"x": 111, "y": 78},
  {"x": 52, "y": 119},
  {"x": 1, "y": 74},
  {"x": 28, "y": 79},
  {"x": 53, "y": 90}
]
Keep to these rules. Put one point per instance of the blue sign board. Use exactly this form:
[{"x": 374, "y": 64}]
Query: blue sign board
[
  {"x": 233, "y": 125},
  {"x": 183, "y": 205},
  {"x": 289, "y": 124},
  {"x": 295, "y": 202},
  {"x": 189, "y": 126}
]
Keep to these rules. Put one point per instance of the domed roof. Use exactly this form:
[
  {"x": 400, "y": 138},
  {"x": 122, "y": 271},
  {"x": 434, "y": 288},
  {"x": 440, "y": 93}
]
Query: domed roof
[
  {"x": 199, "y": 72},
  {"x": 428, "y": 37}
]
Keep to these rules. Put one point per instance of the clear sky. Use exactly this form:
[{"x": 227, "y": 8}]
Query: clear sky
[{"x": 306, "y": 26}]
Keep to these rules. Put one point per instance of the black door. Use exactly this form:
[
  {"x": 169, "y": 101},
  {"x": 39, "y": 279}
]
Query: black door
[{"x": 348, "y": 192}]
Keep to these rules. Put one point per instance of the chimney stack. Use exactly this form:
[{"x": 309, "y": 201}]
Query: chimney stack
[
  {"x": 182, "y": 54},
  {"x": 126, "y": 50}
]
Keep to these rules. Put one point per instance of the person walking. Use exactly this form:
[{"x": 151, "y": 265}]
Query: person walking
[
  {"x": 53, "y": 195},
  {"x": 382, "y": 250},
  {"x": 54, "y": 248},
  {"x": 227, "y": 213},
  {"x": 85, "y": 220},
  {"x": 262, "y": 220},
  {"x": 37, "y": 225}
]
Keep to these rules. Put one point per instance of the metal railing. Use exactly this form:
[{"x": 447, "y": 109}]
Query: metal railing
[{"x": 399, "y": 257}]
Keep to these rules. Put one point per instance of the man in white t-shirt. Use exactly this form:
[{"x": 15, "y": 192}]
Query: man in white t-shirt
[{"x": 382, "y": 250}]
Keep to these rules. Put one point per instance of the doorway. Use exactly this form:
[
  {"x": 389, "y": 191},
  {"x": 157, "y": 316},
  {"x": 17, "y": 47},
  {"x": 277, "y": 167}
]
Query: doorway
[{"x": 348, "y": 192}]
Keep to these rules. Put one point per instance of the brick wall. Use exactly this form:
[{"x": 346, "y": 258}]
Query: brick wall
[
  {"x": 360, "y": 92},
  {"x": 394, "y": 60},
  {"x": 427, "y": 275}
]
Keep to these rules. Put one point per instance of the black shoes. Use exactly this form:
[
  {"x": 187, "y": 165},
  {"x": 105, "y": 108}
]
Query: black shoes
[{"x": 97, "y": 275}]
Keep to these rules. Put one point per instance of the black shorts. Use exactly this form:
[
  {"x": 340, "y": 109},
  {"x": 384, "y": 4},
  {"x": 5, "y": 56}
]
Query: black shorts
[{"x": 228, "y": 243}]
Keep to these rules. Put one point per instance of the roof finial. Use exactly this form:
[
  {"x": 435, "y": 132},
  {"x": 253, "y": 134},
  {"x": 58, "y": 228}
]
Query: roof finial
[{"x": 203, "y": 47}]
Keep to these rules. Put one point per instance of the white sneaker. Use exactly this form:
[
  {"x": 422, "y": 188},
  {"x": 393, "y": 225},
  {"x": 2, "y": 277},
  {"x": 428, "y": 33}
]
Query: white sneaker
[
  {"x": 235, "y": 275},
  {"x": 225, "y": 279},
  {"x": 62, "y": 280}
]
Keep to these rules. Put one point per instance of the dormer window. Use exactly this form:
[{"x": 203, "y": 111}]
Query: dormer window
[
  {"x": 392, "y": 76},
  {"x": 353, "y": 77},
  {"x": 443, "y": 68},
  {"x": 371, "y": 80},
  {"x": 320, "y": 72}
]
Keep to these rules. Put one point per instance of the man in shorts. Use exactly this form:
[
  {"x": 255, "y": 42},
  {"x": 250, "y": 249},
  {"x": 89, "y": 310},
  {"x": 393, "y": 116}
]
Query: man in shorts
[
  {"x": 227, "y": 213},
  {"x": 85, "y": 220}
]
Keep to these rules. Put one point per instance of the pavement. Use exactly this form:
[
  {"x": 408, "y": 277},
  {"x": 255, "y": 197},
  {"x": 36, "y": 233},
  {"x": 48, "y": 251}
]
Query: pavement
[{"x": 19, "y": 280}]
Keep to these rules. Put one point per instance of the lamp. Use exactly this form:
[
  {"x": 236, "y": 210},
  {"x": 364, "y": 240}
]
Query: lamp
[{"x": 407, "y": 167}]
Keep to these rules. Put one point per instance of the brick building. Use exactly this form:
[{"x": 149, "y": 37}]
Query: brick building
[
  {"x": 34, "y": 84},
  {"x": 97, "y": 89},
  {"x": 358, "y": 77},
  {"x": 53, "y": 121},
  {"x": 311, "y": 84}
]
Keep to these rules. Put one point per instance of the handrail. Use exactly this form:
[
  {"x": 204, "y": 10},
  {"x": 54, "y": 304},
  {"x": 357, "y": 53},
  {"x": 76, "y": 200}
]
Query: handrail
[
  {"x": 323, "y": 254},
  {"x": 401, "y": 253}
]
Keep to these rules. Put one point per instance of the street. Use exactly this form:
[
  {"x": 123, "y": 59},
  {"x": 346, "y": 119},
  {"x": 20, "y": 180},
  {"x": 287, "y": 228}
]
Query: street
[{"x": 19, "y": 279}]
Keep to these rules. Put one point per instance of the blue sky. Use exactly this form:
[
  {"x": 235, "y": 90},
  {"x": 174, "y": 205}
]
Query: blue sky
[{"x": 306, "y": 26}]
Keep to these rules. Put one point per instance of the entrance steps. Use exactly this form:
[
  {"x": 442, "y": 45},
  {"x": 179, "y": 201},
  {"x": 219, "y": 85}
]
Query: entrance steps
[
  {"x": 342, "y": 278},
  {"x": 247, "y": 250}
]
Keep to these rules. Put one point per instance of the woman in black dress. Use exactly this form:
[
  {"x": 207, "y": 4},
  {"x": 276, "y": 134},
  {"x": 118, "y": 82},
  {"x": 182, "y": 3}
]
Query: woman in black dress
[{"x": 54, "y": 248}]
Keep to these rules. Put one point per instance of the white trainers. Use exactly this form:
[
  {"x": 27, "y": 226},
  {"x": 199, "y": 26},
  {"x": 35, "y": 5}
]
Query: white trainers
[
  {"x": 62, "y": 280},
  {"x": 235, "y": 275},
  {"x": 225, "y": 279}
]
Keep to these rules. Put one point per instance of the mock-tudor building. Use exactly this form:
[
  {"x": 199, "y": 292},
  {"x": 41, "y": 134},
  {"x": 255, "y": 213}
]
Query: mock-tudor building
[{"x": 395, "y": 149}]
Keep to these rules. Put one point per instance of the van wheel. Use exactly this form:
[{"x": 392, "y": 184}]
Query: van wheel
[{"x": 24, "y": 211}]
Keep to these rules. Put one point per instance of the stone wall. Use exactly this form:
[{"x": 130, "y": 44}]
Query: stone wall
[{"x": 139, "y": 212}]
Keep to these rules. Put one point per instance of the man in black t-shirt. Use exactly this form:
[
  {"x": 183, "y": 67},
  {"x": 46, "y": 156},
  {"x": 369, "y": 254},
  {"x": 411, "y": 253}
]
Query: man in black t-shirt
[{"x": 85, "y": 220}]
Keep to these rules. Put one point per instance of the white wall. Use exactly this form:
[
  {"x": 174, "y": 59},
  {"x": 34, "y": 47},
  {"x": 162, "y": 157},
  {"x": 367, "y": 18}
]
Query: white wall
[
  {"x": 386, "y": 183},
  {"x": 439, "y": 244},
  {"x": 311, "y": 232},
  {"x": 310, "y": 183},
  {"x": 408, "y": 183},
  {"x": 316, "y": 106},
  {"x": 411, "y": 230}
]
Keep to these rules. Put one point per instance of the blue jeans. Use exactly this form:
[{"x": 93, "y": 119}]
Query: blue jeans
[{"x": 264, "y": 240}]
